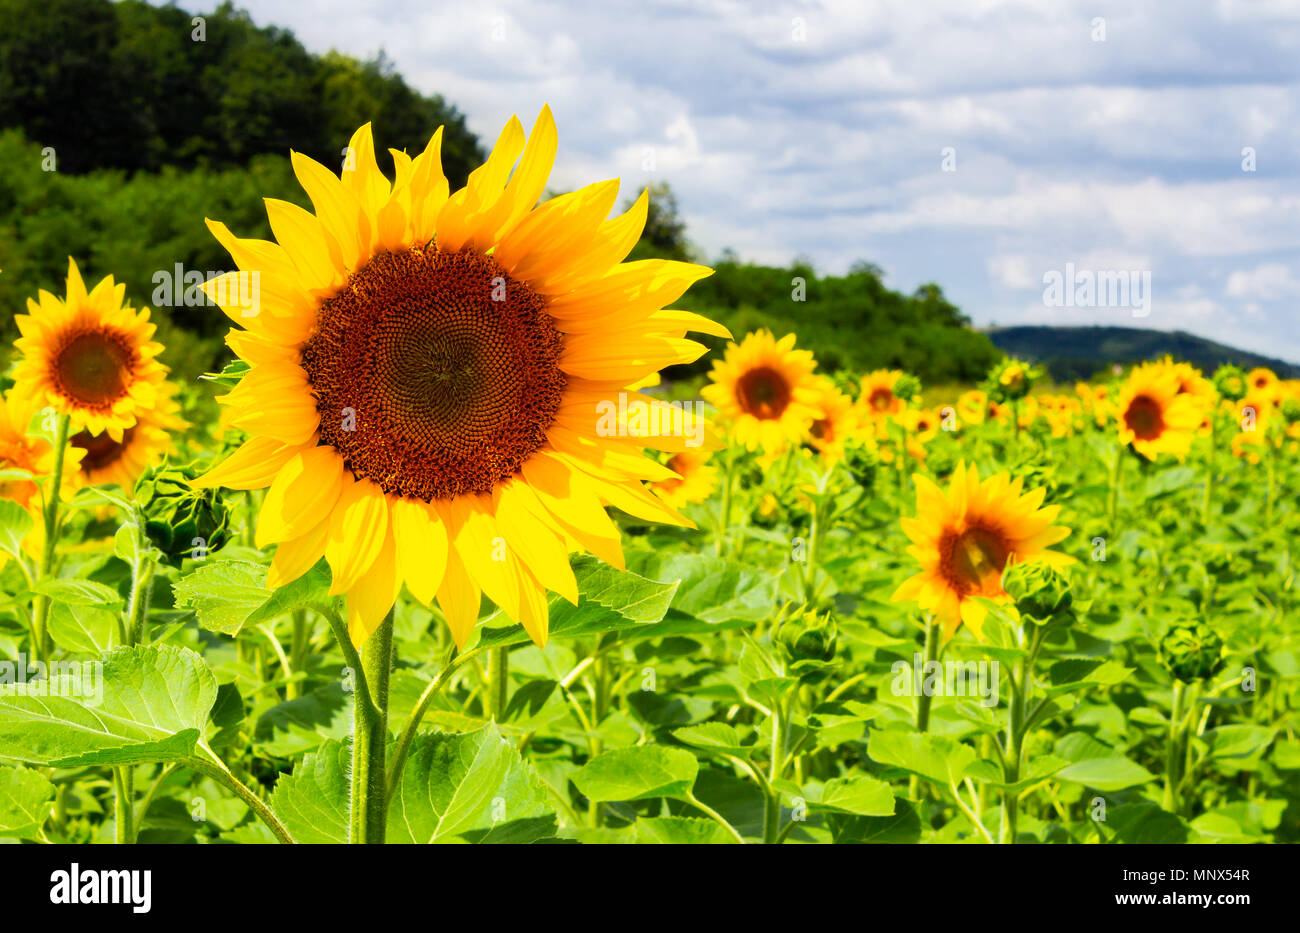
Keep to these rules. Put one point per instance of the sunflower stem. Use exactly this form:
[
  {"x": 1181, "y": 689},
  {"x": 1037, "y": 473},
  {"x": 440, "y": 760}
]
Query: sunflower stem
[
  {"x": 369, "y": 737},
  {"x": 50, "y": 513},
  {"x": 498, "y": 687},
  {"x": 776, "y": 767},
  {"x": 1173, "y": 749},
  {"x": 1112, "y": 505},
  {"x": 924, "y": 699},
  {"x": 1209, "y": 477}
]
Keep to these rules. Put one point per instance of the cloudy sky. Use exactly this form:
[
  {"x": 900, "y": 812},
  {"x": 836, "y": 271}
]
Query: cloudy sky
[{"x": 1107, "y": 134}]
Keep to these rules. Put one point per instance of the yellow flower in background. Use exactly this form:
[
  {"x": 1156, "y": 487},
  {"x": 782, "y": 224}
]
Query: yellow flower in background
[
  {"x": 1192, "y": 383},
  {"x": 1153, "y": 415},
  {"x": 695, "y": 480},
  {"x": 972, "y": 407},
  {"x": 433, "y": 374},
  {"x": 965, "y": 536},
  {"x": 766, "y": 390},
  {"x": 1249, "y": 445},
  {"x": 877, "y": 399},
  {"x": 144, "y": 444},
  {"x": 20, "y": 450},
  {"x": 838, "y": 421},
  {"x": 1262, "y": 383},
  {"x": 89, "y": 355}
]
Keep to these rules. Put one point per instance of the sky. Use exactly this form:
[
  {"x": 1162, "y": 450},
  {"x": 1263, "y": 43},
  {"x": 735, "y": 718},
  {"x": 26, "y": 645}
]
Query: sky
[{"x": 990, "y": 146}]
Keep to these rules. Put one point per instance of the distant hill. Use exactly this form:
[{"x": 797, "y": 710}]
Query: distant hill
[{"x": 1071, "y": 353}]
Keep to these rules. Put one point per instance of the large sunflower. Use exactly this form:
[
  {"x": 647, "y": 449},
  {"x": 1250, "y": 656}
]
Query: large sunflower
[
  {"x": 1153, "y": 415},
  {"x": 142, "y": 445},
  {"x": 767, "y": 390},
  {"x": 964, "y": 538},
  {"x": 431, "y": 376},
  {"x": 89, "y": 355}
]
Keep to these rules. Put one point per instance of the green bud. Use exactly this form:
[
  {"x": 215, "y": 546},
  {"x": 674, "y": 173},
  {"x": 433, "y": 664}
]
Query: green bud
[
  {"x": 180, "y": 520},
  {"x": 1192, "y": 651},
  {"x": 807, "y": 642},
  {"x": 1230, "y": 382},
  {"x": 1291, "y": 410},
  {"x": 1040, "y": 591},
  {"x": 907, "y": 387},
  {"x": 862, "y": 460}
]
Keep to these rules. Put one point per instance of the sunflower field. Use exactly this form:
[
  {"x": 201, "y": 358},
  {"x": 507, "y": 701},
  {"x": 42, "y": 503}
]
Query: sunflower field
[{"x": 441, "y": 557}]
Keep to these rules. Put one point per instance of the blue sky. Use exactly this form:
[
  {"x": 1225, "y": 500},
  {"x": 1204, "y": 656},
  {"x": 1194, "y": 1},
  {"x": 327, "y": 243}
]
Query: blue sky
[{"x": 819, "y": 129}]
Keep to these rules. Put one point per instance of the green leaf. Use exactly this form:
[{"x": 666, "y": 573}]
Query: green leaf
[
  {"x": 83, "y": 629},
  {"x": 637, "y": 773},
  {"x": 1114, "y": 773},
  {"x": 935, "y": 758},
  {"x": 149, "y": 704},
  {"x": 471, "y": 785},
  {"x": 26, "y": 799},
  {"x": 15, "y": 523},
  {"x": 312, "y": 800},
  {"x": 223, "y": 593},
  {"x": 80, "y": 593},
  {"x": 609, "y": 600},
  {"x": 308, "y": 591},
  {"x": 1240, "y": 740},
  {"x": 288, "y": 729},
  {"x": 681, "y": 830},
  {"x": 858, "y": 795},
  {"x": 716, "y": 737}
]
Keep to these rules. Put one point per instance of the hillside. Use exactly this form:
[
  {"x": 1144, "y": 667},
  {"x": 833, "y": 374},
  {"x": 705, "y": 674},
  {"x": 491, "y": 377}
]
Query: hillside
[{"x": 1071, "y": 353}]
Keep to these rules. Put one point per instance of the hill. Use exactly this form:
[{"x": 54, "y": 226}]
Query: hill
[{"x": 1071, "y": 353}]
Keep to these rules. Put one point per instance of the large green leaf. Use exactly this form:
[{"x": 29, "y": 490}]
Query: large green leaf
[
  {"x": 935, "y": 758},
  {"x": 223, "y": 593},
  {"x": 312, "y": 801},
  {"x": 609, "y": 600},
  {"x": 858, "y": 795},
  {"x": 1114, "y": 773},
  {"x": 83, "y": 629},
  {"x": 148, "y": 704},
  {"x": 26, "y": 799},
  {"x": 471, "y": 786},
  {"x": 637, "y": 773}
]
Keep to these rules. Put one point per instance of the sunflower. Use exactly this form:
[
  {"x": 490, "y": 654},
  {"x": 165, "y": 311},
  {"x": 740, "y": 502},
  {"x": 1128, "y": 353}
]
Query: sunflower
[
  {"x": 433, "y": 375},
  {"x": 877, "y": 399},
  {"x": 20, "y": 450},
  {"x": 964, "y": 538},
  {"x": 838, "y": 421},
  {"x": 1153, "y": 416},
  {"x": 766, "y": 389},
  {"x": 1192, "y": 383},
  {"x": 972, "y": 406},
  {"x": 694, "y": 481},
  {"x": 144, "y": 444},
  {"x": 90, "y": 355},
  {"x": 1261, "y": 382}
]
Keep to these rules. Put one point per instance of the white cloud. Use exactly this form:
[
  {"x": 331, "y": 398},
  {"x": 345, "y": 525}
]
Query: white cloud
[{"x": 816, "y": 128}]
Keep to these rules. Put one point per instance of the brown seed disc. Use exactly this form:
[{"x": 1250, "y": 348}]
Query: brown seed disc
[
  {"x": 101, "y": 450},
  {"x": 92, "y": 367},
  {"x": 436, "y": 375}
]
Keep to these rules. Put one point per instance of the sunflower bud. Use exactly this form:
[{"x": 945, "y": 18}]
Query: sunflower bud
[
  {"x": 861, "y": 459},
  {"x": 907, "y": 387},
  {"x": 180, "y": 520},
  {"x": 1040, "y": 591},
  {"x": 1290, "y": 410},
  {"x": 807, "y": 642},
  {"x": 1192, "y": 651},
  {"x": 1230, "y": 382}
]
